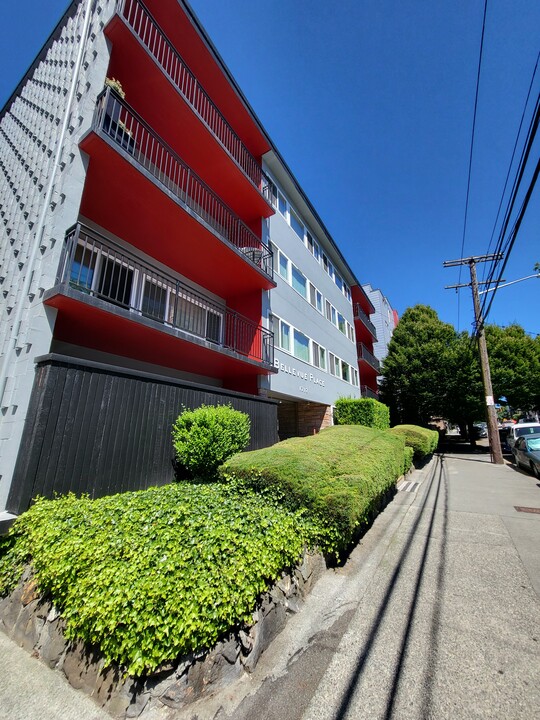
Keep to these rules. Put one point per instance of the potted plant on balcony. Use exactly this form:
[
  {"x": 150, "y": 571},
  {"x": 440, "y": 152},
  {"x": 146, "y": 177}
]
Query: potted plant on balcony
[{"x": 113, "y": 125}]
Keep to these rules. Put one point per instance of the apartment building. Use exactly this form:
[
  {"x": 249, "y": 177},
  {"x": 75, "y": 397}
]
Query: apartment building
[
  {"x": 384, "y": 319},
  {"x": 156, "y": 253}
]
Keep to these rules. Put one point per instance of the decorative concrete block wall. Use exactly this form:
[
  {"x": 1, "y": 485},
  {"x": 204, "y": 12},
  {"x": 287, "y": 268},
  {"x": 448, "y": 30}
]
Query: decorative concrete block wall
[{"x": 30, "y": 135}]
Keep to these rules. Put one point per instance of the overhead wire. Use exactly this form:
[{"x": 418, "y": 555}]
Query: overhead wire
[
  {"x": 504, "y": 247},
  {"x": 512, "y": 159},
  {"x": 472, "y": 145}
]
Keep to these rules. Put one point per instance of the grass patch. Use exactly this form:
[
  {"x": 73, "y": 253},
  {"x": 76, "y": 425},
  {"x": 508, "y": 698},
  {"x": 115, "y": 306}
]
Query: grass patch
[
  {"x": 340, "y": 476},
  {"x": 152, "y": 575}
]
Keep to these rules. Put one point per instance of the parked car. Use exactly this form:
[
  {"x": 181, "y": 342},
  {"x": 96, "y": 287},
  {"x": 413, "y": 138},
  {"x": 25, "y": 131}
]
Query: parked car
[
  {"x": 526, "y": 452},
  {"x": 479, "y": 430},
  {"x": 519, "y": 430}
]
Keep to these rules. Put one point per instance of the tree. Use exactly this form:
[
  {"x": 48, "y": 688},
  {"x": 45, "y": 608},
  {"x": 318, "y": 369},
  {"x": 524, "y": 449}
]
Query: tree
[
  {"x": 416, "y": 370},
  {"x": 515, "y": 365},
  {"x": 432, "y": 371}
]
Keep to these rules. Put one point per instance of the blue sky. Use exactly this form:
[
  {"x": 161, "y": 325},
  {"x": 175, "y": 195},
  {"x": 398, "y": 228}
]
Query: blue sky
[{"x": 371, "y": 103}]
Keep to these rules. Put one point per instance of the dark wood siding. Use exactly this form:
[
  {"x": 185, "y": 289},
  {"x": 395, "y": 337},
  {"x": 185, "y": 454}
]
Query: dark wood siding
[{"x": 101, "y": 430}]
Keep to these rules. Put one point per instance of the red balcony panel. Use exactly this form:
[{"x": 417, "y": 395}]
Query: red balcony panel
[
  {"x": 150, "y": 91},
  {"x": 359, "y": 296},
  {"x": 181, "y": 28},
  {"x": 81, "y": 322},
  {"x": 120, "y": 197}
]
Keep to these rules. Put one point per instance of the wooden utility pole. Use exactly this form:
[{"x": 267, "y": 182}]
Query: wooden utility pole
[{"x": 493, "y": 431}]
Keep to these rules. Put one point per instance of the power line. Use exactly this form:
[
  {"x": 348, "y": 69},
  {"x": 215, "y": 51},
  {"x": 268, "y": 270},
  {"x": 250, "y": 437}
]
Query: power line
[
  {"x": 514, "y": 152},
  {"x": 472, "y": 141},
  {"x": 531, "y": 133}
]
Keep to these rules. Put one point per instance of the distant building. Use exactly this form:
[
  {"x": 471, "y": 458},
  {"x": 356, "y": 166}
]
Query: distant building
[{"x": 384, "y": 318}]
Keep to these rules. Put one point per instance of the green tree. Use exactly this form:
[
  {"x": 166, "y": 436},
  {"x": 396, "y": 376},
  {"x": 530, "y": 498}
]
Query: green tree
[
  {"x": 515, "y": 365},
  {"x": 417, "y": 369}
]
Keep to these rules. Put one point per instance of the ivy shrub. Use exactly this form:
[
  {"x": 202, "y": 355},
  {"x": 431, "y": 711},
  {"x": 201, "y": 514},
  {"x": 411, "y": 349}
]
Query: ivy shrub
[
  {"x": 340, "y": 476},
  {"x": 204, "y": 438},
  {"x": 152, "y": 575},
  {"x": 422, "y": 440},
  {"x": 362, "y": 411}
]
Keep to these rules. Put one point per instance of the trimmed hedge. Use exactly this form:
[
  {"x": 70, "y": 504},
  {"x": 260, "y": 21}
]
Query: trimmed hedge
[
  {"x": 408, "y": 461},
  {"x": 362, "y": 411},
  {"x": 339, "y": 475},
  {"x": 422, "y": 440},
  {"x": 204, "y": 438},
  {"x": 152, "y": 575}
]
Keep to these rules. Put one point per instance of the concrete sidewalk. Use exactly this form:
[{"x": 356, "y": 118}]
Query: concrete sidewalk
[{"x": 435, "y": 615}]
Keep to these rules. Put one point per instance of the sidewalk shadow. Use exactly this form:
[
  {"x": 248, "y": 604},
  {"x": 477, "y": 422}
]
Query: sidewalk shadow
[{"x": 438, "y": 486}]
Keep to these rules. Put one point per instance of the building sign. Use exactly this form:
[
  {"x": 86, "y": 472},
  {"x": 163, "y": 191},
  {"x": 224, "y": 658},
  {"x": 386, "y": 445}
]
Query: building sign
[{"x": 306, "y": 376}]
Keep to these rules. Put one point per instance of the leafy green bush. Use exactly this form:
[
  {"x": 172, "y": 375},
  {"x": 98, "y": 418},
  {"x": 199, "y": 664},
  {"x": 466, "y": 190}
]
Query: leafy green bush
[
  {"x": 206, "y": 437},
  {"x": 340, "y": 475},
  {"x": 362, "y": 411},
  {"x": 420, "y": 439},
  {"x": 149, "y": 576},
  {"x": 409, "y": 455}
]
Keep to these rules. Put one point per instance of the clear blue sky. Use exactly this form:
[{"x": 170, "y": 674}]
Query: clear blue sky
[{"x": 371, "y": 103}]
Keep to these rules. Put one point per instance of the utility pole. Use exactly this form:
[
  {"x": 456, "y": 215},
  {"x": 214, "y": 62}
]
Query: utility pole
[{"x": 493, "y": 432}]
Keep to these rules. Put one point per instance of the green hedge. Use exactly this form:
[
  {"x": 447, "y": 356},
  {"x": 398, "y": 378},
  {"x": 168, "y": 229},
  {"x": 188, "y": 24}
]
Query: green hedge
[
  {"x": 422, "y": 440},
  {"x": 206, "y": 437},
  {"x": 409, "y": 456},
  {"x": 362, "y": 411},
  {"x": 339, "y": 475},
  {"x": 149, "y": 576}
]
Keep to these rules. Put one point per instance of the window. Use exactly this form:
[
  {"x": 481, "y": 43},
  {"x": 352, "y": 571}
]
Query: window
[
  {"x": 285, "y": 337},
  {"x": 154, "y": 300},
  {"x": 318, "y": 356},
  {"x": 328, "y": 311},
  {"x": 283, "y": 266},
  {"x": 315, "y": 297},
  {"x": 299, "y": 282},
  {"x": 282, "y": 204},
  {"x": 115, "y": 281},
  {"x": 341, "y": 323},
  {"x": 301, "y": 346},
  {"x": 83, "y": 267},
  {"x": 345, "y": 371},
  {"x": 332, "y": 359},
  {"x": 296, "y": 224},
  {"x": 338, "y": 280},
  {"x": 355, "y": 376}
]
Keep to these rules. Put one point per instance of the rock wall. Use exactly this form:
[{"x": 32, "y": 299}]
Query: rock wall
[{"x": 33, "y": 622}]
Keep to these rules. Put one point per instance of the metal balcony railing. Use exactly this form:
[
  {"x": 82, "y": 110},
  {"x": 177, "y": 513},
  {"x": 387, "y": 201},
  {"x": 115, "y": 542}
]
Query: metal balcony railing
[
  {"x": 97, "y": 266},
  {"x": 115, "y": 119},
  {"x": 139, "y": 18},
  {"x": 366, "y": 355},
  {"x": 359, "y": 314},
  {"x": 367, "y": 392}
]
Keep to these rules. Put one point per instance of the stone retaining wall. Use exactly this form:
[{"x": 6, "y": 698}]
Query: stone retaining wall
[{"x": 35, "y": 624}]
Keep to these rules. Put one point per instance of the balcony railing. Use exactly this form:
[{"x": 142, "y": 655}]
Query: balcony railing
[
  {"x": 138, "y": 17},
  {"x": 115, "y": 119},
  {"x": 361, "y": 315},
  {"x": 367, "y": 392},
  {"x": 364, "y": 354},
  {"x": 100, "y": 268}
]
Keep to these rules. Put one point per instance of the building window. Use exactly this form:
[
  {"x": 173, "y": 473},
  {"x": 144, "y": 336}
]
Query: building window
[
  {"x": 299, "y": 282},
  {"x": 283, "y": 267},
  {"x": 301, "y": 346},
  {"x": 282, "y": 205},
  {"x": 341, "y": 323},
  {"x": 296, "y": 224},
  {"x": 345, "y": 371},
  {"x": 285, "y": 336}
]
